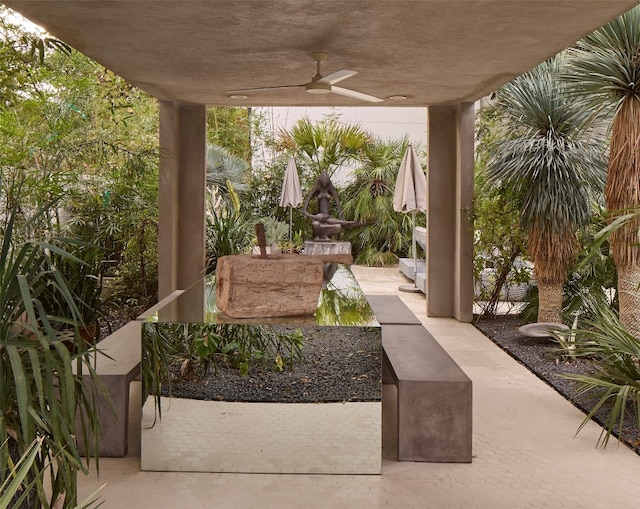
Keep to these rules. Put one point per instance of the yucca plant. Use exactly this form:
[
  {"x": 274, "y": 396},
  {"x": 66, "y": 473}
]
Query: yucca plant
[
  {"x": 41, "y": 387},
  {"x": 604, "y": 69},
  {"x": 555, "y": 167}
]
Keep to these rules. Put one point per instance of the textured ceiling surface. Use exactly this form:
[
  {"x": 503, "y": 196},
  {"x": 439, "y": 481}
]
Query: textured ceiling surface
[{"x": 431, "y": 51}]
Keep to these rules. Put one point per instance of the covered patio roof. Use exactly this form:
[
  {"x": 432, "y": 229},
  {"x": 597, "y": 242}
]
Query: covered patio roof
[
  {"x": 430, "y": 51},
  {"x": 439, "y": 54}
]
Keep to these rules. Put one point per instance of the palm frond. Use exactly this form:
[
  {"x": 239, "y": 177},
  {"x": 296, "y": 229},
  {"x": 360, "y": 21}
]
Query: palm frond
[{"x": 616, "y": 384}]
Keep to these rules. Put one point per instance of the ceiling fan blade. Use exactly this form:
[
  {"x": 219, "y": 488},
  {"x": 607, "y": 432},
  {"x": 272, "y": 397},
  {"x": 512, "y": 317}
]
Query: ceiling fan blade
[
  {"x": 260, "y": 89},
  {"x": 355, "y": 95},
  {"x": 340, "y": 75}
]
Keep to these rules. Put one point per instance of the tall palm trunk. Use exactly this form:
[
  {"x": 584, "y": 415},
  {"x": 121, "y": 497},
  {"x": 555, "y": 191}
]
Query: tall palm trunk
[
  {"x": 623, "y": 193},
  {"x": 553, "y": 249},
  {"x": 629, "y": 298},
  {"x": 550, "y": 302}
]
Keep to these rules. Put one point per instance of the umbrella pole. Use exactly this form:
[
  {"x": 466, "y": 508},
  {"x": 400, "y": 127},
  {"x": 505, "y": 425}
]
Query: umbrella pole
[
  {"x": 290, "y": 224},
  {"x": 412, "y": 288}
]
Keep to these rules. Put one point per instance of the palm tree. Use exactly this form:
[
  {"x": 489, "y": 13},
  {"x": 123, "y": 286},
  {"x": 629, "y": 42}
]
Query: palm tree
[
  {"x": 226, "y": 171},
  {"x": 41, "y": 382},
  {"x": 323, "y": 146},
  {"x": 554, "y": 166},
  {"x": 604, "y": 69},
  {"x": 386, "y": 233}
]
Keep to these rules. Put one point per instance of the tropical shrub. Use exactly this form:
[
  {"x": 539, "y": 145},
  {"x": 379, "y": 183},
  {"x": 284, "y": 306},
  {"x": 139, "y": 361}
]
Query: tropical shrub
[
  {"x": 615, "y": 386},
  {"x": 368, "y": 198},
  {"x": 42, "y": 393},
  {"x": 228, "y": 229},
  {"x": 499, "y": 241},
  {"x": 326, "y": 145}
]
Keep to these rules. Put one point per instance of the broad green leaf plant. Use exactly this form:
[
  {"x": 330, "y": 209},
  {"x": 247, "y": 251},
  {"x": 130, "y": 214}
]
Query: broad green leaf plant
[{"x": 42, "y": 394}]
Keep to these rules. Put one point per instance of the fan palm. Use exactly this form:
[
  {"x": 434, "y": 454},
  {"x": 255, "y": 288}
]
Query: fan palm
[
  {"x": 225, "y": 169},
  {"x": 386, "y": 234},
  {"x": 605, "y": 71},
  {"x": 553, "y": 165},
  {"x": 323, "y": 146}
]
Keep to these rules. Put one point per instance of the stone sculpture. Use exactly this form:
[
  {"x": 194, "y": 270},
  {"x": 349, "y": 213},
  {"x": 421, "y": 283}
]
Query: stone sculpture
[{"x": 323, "y": 223}]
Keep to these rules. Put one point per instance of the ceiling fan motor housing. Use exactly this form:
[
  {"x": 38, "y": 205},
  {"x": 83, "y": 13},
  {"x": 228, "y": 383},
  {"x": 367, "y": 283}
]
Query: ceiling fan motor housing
[{"x": 318, "y": 87}]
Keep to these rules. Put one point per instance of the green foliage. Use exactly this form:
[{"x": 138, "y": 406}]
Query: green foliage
[
  {"x": 263, "y": 197},
  {"x": 594, "y": 278},
  {"x": 82, "y": 275},
  {"x": 224, "y": 168},
  {"x": 228, "y": 230},
  {"x": 322, "y": 146},
  {"x": 197, "y": 347},
  {"x": 553, "y": 165},
  {"x": 74, "y": 129},
  {"x": 386, "y": 234},
  {"x": 231, "y": 128},
  {"x": 616, "y": 384},
  {"x": 499, "y": 240},
  {"x": 603, "y": 68},
  {"x": 41, "y": 387},
  {"x": 15, "y": 490},
  {"x": 275, "y": 231},
  {"x": 339, "y": 307}
]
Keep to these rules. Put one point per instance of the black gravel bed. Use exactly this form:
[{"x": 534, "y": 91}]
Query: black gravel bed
[
  {"x": 542, "y": 357},
  {"x": 340, "y": 364}
]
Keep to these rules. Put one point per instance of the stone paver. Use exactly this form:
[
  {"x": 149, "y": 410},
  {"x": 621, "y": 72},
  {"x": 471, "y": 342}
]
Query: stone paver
[{"x": 525, "y": 452}]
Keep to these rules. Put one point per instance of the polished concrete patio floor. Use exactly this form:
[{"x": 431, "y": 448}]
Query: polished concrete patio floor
[{"x": 525, "y": 452}]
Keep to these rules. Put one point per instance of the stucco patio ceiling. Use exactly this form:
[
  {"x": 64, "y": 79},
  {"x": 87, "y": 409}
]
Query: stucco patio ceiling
[{"x": 431, "y": 51}]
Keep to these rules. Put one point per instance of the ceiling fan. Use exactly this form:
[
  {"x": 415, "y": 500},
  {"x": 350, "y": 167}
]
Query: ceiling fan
[{"x": 320, "y": 84}]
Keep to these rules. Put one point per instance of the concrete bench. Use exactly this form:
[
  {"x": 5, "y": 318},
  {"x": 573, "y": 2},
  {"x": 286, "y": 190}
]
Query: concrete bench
[
  {"x": 389, "y": 310},
  {"x": 434, "y": 396},
  {"x": 117, "y": 369},
  {"x": 407, "y": 267},
  {"x": 124, "y": 350}
]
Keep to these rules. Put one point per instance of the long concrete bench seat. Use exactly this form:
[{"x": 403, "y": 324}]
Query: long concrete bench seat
[
  {"x": 389, "y": 309},
  {"x": 434, "y": 396},
  {"x": 117, "y": 368},
  {"x": 407, "y": 267}
]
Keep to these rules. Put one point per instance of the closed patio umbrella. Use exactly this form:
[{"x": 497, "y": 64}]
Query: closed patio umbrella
[
  {"x": 291, "y": 194},
  {"x": 410, "y": 195}
]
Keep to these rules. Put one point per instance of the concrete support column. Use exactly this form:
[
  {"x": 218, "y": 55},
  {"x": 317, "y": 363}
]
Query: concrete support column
[
  {"x": 181, "y": 235},
  {"x": 450, "y": 193}
]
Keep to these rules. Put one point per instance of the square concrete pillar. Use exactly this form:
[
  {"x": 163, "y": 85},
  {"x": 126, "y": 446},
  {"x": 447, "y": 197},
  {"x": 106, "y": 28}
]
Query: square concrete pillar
[
  {"x": 449, "y": 264},
  {"x": 181, "y": 235}
]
